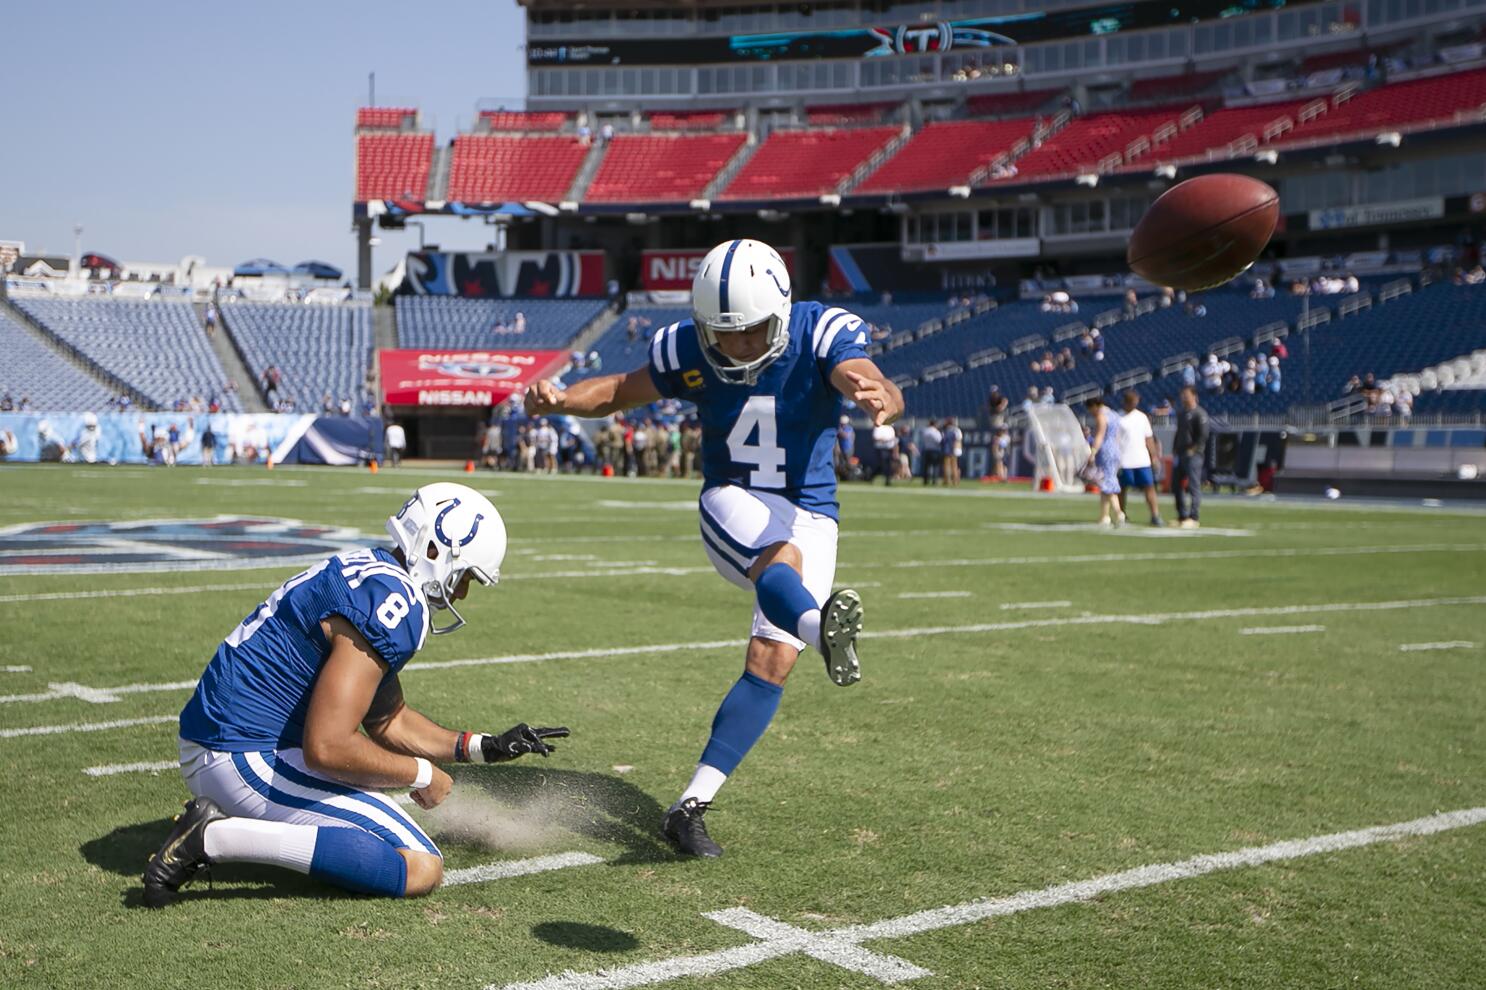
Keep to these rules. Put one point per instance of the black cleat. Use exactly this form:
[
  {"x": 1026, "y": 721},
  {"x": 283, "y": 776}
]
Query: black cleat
[
  {"x": 683, "y": 826},
  {"x": 840, "y": 622},
  {"x": 183, "y": 855}
]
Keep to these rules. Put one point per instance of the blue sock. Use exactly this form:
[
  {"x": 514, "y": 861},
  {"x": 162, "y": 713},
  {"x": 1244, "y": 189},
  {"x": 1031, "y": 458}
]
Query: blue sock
[
  {"x": 740, "y": 722},
  {"x": 359, "y": 861},
  {"x": 784, "y": 601}
]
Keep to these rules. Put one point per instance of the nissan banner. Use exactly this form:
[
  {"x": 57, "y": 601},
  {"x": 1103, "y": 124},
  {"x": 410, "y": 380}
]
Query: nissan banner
[
  {"x": 668, "y": 270},
  {"x": 461, "y": 378}
]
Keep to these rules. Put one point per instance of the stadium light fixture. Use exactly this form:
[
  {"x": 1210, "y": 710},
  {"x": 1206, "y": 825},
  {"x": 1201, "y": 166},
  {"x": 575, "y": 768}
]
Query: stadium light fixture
[
  {"x": 1167, "y": 172},
  {"x": 1268, "y": 156},
  {"x": 701, "y": 205},
  {"x": 568, "y": 206},
  {"x": 962, "y": 192},
  {"x": 1087, "y": 179},
  {"x": 830, "y": 199},
  {"x": 1390, "y": 138}
]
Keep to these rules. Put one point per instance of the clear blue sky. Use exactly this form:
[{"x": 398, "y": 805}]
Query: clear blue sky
[{"x": 176, "y": 128}]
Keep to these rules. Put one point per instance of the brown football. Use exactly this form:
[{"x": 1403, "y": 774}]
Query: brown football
[{"x": 1204, "y": 231}]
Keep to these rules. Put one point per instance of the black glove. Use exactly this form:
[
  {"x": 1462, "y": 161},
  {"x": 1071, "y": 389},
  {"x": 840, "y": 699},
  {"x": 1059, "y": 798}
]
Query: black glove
[{"x": 518, "y": 741}]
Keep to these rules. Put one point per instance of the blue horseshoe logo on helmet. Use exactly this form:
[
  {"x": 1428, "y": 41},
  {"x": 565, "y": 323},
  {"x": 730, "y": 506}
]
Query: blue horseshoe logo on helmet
[
  {"x": 438, "y": 526},
  {"x": 783, "y": 289}
]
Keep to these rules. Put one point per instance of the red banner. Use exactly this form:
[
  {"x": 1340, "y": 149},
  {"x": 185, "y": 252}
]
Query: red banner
[
  {"x": 461, "y": 378},
  {"x": 669, "y": 270}
]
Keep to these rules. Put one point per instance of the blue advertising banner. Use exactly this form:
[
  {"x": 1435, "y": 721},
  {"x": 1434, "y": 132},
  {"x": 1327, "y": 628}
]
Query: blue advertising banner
[{"x": 188, "y": 438}]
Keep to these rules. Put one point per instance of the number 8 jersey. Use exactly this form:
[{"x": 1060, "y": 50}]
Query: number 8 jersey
[
  {"x": 256, "y": 690},
  {"x": 778, "y": 434}
]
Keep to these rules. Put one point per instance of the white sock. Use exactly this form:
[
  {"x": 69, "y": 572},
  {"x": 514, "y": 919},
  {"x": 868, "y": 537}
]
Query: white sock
[
  {"x": 705, "y": 784},
  {"x": 248, "y": 840},
  {"x": 809, "y": 629}
]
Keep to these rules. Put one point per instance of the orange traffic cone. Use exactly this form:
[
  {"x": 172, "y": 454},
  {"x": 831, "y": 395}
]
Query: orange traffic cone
[
  {"x": 469, "y": 467},
  {"x": 371, "y": 466},
  {"x": 1045, "y": 485},
  {"x": 270, "y": 462}
]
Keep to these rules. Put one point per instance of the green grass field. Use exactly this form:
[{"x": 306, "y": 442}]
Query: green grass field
[{"x": 1118, "y": 717}]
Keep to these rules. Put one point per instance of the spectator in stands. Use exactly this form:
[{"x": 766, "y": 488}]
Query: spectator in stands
[
  {"x": 1274, "y": 375},
  {"x": 1403, "y": 406},
  {"x": 1140, "y": 456},
  {"x": 1195, "y": 308},
  {"x": 1188, "y": 450},
  {"x": 1098, "y": 339},
  {"x": 1167, "y": 298},
  {"x": 1048, "y": 398},
  {"x": 327, "y": 405},
  {"x": 518, "y": 324},
  {"x": 595, "y": 361},
  {"x": 1103, "y": 466},
  {"x": 1034, "y": 396},
  {"x": 1353, "y": 386},
  {"x": 7, "y": 404},
  {"x": 1065, "y": 360},
  {"x": 632, "y": 329},
  {"x": 1212, "y": 374},
  {"x": 933, "y": 461},
  {"x": 606, "y": 133},
  {"x": 1189, "y": 374},
  {"x": 1250, "y": 374},
  {"x": 885, "y": 444},
  {"x": 952, "y": 447},
  {"x": 1262, "y": 289},
  {"x": 24, "y": 405}
]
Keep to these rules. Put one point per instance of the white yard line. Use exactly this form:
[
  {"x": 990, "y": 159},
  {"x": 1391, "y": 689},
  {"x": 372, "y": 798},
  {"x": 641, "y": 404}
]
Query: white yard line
[
  {"x": 1140, "y": 619},
  {"x": 117, "y": 768},
  {"x": 1279, "y": 630},
  {"x": 15, "y": 669},
  {"x": 840, "y": 947},
  {"x": 57, "y": 730},
  {"x": 1456, "y": 644},
  {"x": 1008, "y": 606},
  {"x": 936, "y": 594},
  {"x": 519, "y": 868},
  {"x": 854, "y": 566}
]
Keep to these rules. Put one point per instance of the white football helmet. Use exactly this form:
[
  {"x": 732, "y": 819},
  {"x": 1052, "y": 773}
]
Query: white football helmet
[
  {"x": 739, "y": 285},
  {"x": 445, "y": 531}
]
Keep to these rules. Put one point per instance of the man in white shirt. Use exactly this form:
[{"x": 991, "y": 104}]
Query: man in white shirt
[
  {"x": 933, "y": 460},
  {"x": 1139, "y": 452},
  {"x": 885, "y": 441},
  {"x": 396, "y": 442}
]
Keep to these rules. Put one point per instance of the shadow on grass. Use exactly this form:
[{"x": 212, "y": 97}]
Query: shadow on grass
[
  {"x": 592, "y": 938},
  {"x": 593, "y": 805}
]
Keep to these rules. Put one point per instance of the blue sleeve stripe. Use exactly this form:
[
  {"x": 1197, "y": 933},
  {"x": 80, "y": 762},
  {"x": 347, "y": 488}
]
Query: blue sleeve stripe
[
  {"x": 672, "y": 332},
  {"x": 657, "y": 361},
  {"x": 722, "y": 285},
  {"x": 369, "y": 819}
]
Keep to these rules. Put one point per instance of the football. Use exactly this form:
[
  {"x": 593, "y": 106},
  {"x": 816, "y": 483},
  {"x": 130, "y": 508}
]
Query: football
[{"x": 1204, "y": 231}]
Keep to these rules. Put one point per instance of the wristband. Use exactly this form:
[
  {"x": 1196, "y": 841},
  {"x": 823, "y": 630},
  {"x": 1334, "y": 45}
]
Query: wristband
[
  {"x": 475, "y": 748},
  {"x": 462, "y": 747},
  {"x": 425, "y": 774}
]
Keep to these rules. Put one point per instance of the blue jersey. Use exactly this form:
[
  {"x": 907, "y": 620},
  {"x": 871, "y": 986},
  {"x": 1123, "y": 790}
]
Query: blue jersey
[
  {"x": 254, "y": 694},
  {"x": 778, "y": 434}
]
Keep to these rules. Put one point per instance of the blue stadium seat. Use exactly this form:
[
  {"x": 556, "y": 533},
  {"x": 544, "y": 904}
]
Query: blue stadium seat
[
  {"x": 33, "y": 370},
  {"x": 450, "y": 321},
  {"x": 320, "y": 350}
]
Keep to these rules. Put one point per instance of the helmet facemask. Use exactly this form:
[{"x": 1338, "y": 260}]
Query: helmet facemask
[
  {"x": 732, "y": 370},
  {"x": 440, "y": 594},
  {"x": 445, "y": 532}
]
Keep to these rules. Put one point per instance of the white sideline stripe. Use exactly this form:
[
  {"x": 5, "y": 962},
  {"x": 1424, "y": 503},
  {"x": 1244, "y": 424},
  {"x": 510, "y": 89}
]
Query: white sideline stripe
[
  {"x": 56, "y": 730},
  {"x": 519, "y": 868},
  {"x": 1006, "y": 606},
  {"x": 1457, "y": 644},
  {"x": 783, "y": 940},
  {"x": 881, "y": 967},
  {"x": 935, "y": 594},
  {"x": 15, "y": 669},
  {"x": 1095, "y": 558},
  {"x": 116, "y": 768},
  {"x": 1147, "y": 619},
  {"x": 1279, "y": 630}
]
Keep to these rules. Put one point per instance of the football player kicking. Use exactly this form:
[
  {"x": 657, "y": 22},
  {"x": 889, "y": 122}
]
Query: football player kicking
[
  {"x": 767, "y": 378},
  {"x": 269, "y": 743}
]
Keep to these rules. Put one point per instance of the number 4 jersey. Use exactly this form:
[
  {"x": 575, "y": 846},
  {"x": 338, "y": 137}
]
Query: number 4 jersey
[
  {"x": 777, "y": 435},
  {"x": 254, "y": 694}
]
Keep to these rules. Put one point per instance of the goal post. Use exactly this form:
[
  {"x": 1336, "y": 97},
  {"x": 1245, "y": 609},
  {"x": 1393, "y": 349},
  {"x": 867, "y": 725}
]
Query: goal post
[{"x": 1056, "y": 445}]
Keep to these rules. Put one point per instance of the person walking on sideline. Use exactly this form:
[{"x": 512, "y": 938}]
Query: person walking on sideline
[{"x": 1188, "y": 450}]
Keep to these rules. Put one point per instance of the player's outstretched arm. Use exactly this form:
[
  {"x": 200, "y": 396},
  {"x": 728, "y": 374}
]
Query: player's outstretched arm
[
  {"x": 343, "y": 697},
  {"x": 594, "y": 396},
  {"x": 861, "y": 381}
]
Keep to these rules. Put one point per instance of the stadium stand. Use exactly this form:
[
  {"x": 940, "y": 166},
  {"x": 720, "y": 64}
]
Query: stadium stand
[
  {"x": 848, "y": 114},
  {"x": 1186, "y": 85},
  {"x": 491, "y": 169},
  {"x": 1086, "y": 142},
  {"x": 386, "y": 118},
  {"x": 946, "y": 154},
  {"x": 806, "y": 162},
  {"x": 516, "y": 120},
  {"x": 157, "y": 347},
  {"x": 1220, "y": 129},
  {"x": 392, "y": 166},
  {"x": 617, "y": 351},
  {"x": 320, "y": 350},
  {"x": 689, "y": 120},
  {"x": 654, "y": 168},
  {"x": 451, "y": 322},
  {"x": 34, "y": 371}
]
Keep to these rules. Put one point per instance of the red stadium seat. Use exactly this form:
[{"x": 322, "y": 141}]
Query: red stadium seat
[
  {"x": 692, "y": 120},
  {"x": 806, "y": 163},
  {"x": 385, "y": 118},
  {"x": 945, "y": 154},
  {"x": 847, "y": 114},
  {"x": 1187, "y": 85},
  {"x": 1087, "y": 141},
  {"x": 515, "y": 120},
  {"x": 392, "y": 166},
  {"x": 651, "y": 167},
  {"x": 1008, "y": 104},
  {"x": 492, "y": 169}
]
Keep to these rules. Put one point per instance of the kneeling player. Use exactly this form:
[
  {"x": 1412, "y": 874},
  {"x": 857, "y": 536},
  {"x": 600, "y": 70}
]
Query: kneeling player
[{"x": 269, "y": 742}]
